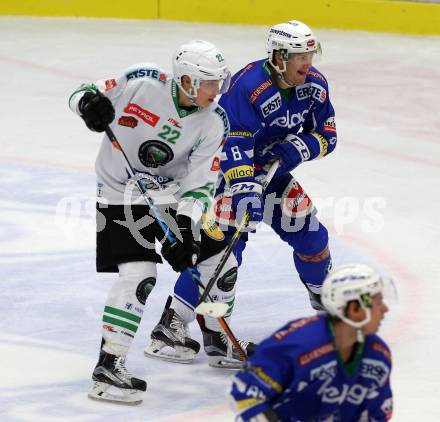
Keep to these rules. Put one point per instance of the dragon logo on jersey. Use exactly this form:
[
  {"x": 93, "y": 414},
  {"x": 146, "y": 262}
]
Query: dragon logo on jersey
[{"x": 155, "y": 154}]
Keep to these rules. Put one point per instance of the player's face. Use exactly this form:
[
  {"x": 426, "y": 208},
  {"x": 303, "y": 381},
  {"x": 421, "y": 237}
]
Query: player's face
[
  {"x": 378, "y": 310},
  {"x": 297, "y": 67},
  {"x": 207, "y": 92}
]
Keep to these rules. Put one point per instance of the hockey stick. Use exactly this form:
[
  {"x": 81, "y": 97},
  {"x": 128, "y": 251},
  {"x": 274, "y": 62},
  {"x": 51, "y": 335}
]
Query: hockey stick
[
  {"x": 112, "y": 138},
  {"x": 219, "y": 309}
]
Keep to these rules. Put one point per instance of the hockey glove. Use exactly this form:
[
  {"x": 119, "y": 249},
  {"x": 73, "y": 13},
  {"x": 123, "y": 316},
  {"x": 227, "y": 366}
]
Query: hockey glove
[
  {"x": 290, "y": 151},
  {"x": 181, "y": 255},
  {"x": 96, "y": 110},
  {"x": 247, "y": 197}
]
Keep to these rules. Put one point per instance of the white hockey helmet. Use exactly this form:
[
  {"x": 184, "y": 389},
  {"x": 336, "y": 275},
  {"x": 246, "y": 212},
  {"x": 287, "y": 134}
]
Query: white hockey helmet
[
  {"x": 357, "y": 282},
  {"x": 290, "y": 37},
  {"x": 200, "y": 61}
]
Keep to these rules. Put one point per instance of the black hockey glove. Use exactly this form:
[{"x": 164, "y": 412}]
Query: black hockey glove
[
  {"x": 182, "y": 255},
  {"x": 96, "y": 110}
]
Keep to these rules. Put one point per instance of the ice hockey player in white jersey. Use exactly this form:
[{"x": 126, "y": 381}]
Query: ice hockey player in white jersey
[{"x": 171, "y": 130}]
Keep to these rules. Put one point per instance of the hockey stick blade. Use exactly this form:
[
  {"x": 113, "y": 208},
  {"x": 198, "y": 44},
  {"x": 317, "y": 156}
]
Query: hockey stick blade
[{"x": 214, "y": 310}]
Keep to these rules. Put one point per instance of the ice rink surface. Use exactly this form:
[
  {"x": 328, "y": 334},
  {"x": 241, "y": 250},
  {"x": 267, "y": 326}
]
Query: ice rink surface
[{"x": 377, "y": 194}]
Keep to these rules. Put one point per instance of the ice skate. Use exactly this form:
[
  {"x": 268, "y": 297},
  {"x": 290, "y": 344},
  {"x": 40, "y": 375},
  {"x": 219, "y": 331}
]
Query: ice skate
[
  {"x": 113, "y": 382},
  {"x": 170, "y": 339},
  {"x": 315, "y": 302},
  {"x": 219, "y": 349}
]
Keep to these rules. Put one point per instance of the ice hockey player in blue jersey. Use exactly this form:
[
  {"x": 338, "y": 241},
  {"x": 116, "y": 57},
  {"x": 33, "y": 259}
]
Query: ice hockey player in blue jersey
[
  {"x": 329, "y": 367},
  {"x": 279, "y": 109}
]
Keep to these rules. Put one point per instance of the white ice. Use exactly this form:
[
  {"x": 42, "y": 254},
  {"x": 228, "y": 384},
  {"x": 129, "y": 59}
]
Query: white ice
[{"x": 377, "y": 194}]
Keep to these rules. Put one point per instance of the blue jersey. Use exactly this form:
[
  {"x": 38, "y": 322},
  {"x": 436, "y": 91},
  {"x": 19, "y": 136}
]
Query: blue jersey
[
  {"x": 260, "y": 112},
  {"x": 298, "y": 373}
]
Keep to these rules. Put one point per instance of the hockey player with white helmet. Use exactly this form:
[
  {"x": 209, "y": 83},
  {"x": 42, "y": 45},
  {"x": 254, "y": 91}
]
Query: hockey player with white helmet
[
  {"x": 329, "y": 367},
  {"x": 171, "y": 130},
  {"x": 279, "y": 109}
]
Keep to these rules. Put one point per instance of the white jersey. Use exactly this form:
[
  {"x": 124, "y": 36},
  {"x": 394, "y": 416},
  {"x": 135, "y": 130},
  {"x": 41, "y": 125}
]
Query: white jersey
[{"x": 175, "y": 146}]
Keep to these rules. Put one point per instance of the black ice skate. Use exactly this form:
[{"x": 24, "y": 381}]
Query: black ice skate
[
  {"x": 315, "y": 299},
  {"x": 315, "y": 302},
  {"x": 114, "y": 383},
  {"x": 219, "y": 349},
  {"x": 170, "y": 339}
]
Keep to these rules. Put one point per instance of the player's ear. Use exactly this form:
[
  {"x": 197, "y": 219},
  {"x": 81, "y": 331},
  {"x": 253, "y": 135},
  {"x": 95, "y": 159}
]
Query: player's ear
[
  {"x": 186, "y": 82},
  {"x": 277, "y": 58},
  {"x": 354, "y": 311}
]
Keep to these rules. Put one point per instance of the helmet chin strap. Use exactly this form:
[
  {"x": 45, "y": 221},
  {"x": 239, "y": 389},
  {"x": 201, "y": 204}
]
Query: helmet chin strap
[
  {"x": 191, "y": 96},
  {"x": 281, "y": 75},
  {"x": 282, "y": 78}
]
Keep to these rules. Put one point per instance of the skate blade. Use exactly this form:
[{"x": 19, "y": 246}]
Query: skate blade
[
  {"x": 102, "y": 392},
  {"x": 224, "y": 363},
  {"x": 176, "y": 354}
]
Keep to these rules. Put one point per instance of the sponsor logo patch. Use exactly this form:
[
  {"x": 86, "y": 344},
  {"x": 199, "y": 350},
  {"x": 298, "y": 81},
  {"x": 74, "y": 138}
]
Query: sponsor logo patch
[
  {"x": 294, "y": 326},
  {"x": 382, "y": 349},
  {"x": 245, "y": 70},
  {"x": 239, "y": 172},
  {"x": 300, "y": 146},
  {"x": 175, "y": 123},
  {"x": 311, "y": 90},
  {"x": 224, "y": 118},
  {"x": 387, "y": 408},
  {"x": 211, "y": 228},
  {"x": 317, "y": 353},
  {"x": 108, "y": 327},
  {"x": 323, "y": 144},
  {"x": 222, "y": 209},
  {"x": 375, "y": 369},
  {"x": 290, "y": 120},
  {"x": 147, "y": 73},
  {"x": 330, "y": 125},
  {"x": 316, "y": 75},
  {"x": 295, "y": 202},
  {"x": 128, "y": 121},
  {"x": 110, "y": 84},
  {"x": 279, "y": 32},
  {"x": 127, "y": 334},
  {"x": 260, "y": 89},
  {"x": 324, "y": 371},
  {"x": 241, "y": 133},
  {"x": 270, "y": 105},
  {"x": 145, "y": 115},
  {"x": 215, "y": 166}
]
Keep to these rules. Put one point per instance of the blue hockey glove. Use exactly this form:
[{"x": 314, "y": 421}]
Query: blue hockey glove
[
  {"x": 247, "y": 196},
  {"x": 290, "y": 151}
]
